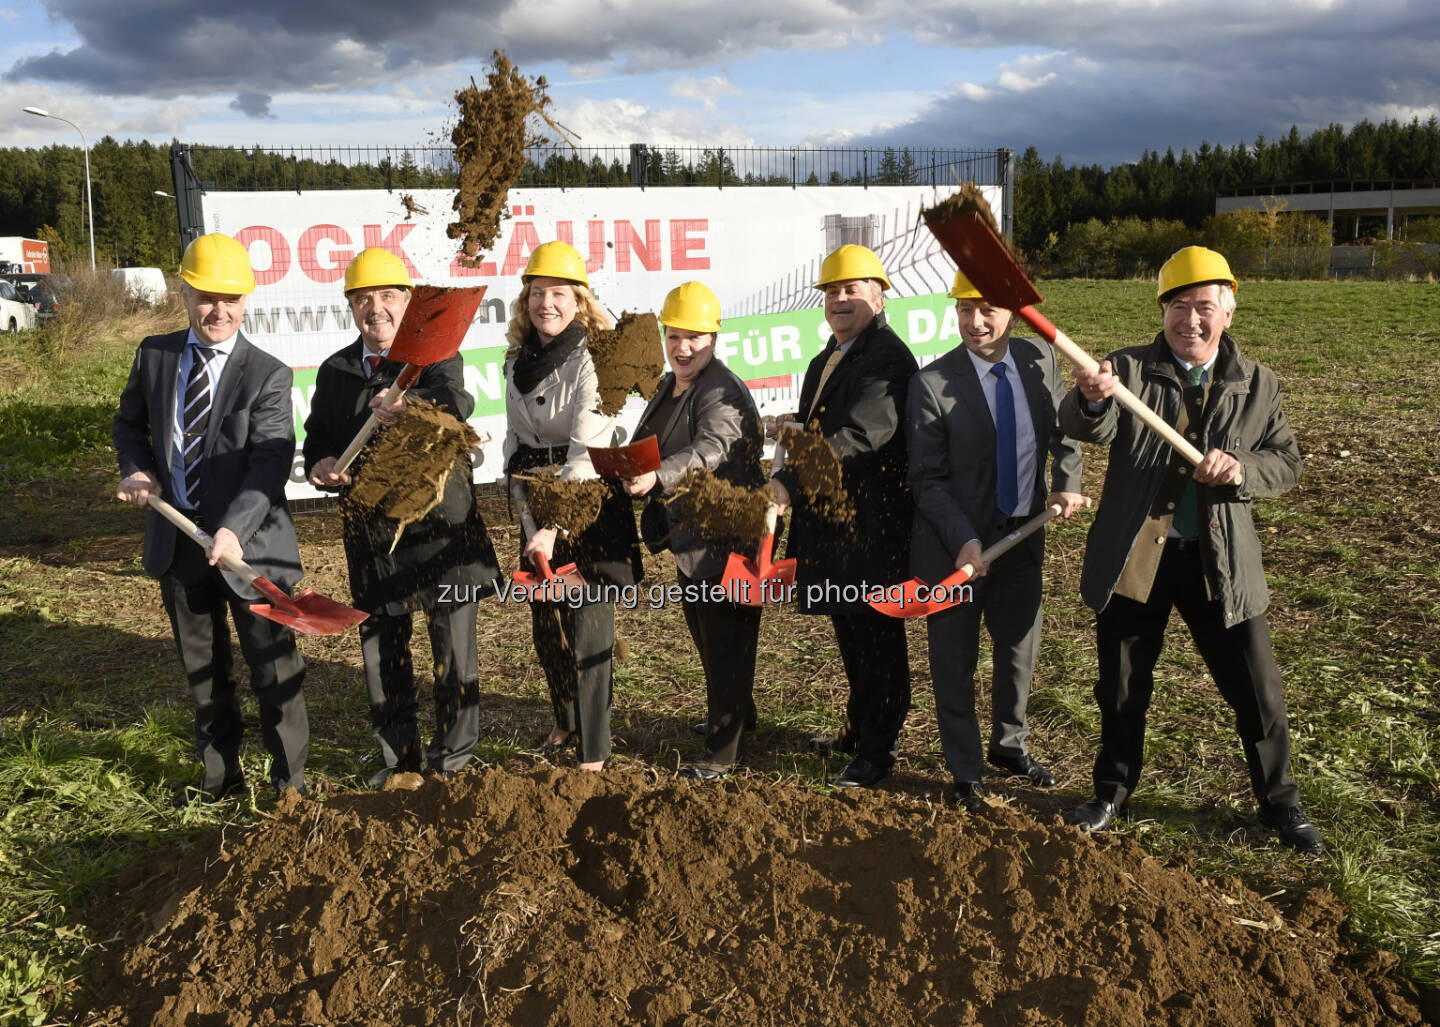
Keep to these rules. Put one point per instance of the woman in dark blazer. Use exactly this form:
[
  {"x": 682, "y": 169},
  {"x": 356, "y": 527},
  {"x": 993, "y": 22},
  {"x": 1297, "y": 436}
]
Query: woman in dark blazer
[{"x": 705, "y": 419}]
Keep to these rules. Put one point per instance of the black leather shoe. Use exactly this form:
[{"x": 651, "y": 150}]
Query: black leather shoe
[
  {"x": 1097, "y": 814},
  {"x": 969, "y": 794},
  {"x": 702, "y": 772},
  {"x": 861, "y": 773},
  {"x": 1294, "y": 828},
  {"x": 825, "y": 745},
  {"x": 1023, "y": 765}
]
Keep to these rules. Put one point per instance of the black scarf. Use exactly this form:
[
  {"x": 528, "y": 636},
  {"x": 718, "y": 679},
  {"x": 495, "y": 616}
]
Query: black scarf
[{"x": 536, "y": 360}]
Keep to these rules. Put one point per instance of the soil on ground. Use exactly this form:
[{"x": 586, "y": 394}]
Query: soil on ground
[
  {"x": 720, "y": 511},
  {"x": 407, "y": 465},
  {"x": 573, "y": 504},
  {"x": 490, "y": 138},
  {"x": 821, "y": 478},
  {"x": 542, "y": 895},
  {"x": 628, "y": 358}
]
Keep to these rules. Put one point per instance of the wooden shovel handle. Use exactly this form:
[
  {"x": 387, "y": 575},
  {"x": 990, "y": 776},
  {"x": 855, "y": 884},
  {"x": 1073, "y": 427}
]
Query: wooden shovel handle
[
  {"x": 190, "y": 528},
  {"x": 403, "y": 381},
  {"x": 1003, "y": 546}
]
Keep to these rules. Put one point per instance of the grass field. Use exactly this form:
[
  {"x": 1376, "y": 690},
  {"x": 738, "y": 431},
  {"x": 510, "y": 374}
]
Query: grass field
[{"x": 94, "y": 721}]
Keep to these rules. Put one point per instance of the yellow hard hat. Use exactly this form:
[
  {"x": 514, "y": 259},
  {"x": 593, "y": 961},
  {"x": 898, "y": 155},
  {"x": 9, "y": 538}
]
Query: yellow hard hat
[
  {"x": 375, "y": 267},
  {"x": 962, "y": 289},
  {"x": 556, "y": 260},
  {"x": 851, "y": 261},
  {"x": 693, "y": 307},
  {"x": 1194, "y": 265},
  {"x": 218, "y": 263}
]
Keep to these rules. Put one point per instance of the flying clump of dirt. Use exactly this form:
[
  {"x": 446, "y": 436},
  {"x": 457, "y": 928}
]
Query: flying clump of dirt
[
  {"x": 409, "y": 463},
  {"x": 628, "y": 357},
  {"x": 490, "y": 140},
  {"x": 821, "y": 478},
  {"x": 571, "y": 503},
  {"x": 720, "y": 511},
  {"x": 969, "y": 200}
]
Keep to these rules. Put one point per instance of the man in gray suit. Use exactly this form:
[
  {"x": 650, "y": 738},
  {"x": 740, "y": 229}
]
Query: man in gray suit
[
  {"x": 979, "y": 421},
  {"x": 205, "y": 420}
]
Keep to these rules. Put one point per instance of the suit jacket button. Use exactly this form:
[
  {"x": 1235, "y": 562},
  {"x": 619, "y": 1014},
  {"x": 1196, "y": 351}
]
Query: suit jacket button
[
  {"x": 539, "y": 401},
  {"x": 1214, "y": 524}
]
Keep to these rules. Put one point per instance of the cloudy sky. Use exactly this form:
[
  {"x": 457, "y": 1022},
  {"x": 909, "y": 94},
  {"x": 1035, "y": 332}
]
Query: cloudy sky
[{"x": 1090, "y": 81}]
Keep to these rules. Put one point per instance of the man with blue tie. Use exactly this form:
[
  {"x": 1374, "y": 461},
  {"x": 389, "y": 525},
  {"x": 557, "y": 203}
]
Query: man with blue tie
[
  {"x": 1169, "y": 537},
  {"x": 205, "y": 421},
  {"x": 979, "y": 423}
]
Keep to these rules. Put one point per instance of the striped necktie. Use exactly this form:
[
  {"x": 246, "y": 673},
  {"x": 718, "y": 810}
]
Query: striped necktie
[{"x": 198, "y": 400}]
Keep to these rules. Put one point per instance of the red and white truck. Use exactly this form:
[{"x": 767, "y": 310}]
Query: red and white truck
[{"x": 22, "y": 256}]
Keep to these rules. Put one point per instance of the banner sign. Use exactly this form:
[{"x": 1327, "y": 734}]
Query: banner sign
[{"x": 758, "y": 247}]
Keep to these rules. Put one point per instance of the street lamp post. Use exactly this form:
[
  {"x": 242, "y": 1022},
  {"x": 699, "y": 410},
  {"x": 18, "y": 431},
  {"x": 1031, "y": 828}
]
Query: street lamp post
[{"x": 89, "y": 203}]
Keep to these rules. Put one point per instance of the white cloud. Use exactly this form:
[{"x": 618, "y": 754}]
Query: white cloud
[
  {"x": 688, "y": 88},
  {"x": 971, "y": 91},
  {"x": 620, "y": 122}
]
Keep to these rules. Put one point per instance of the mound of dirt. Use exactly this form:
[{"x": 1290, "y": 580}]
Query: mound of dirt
[
  {"x": 409, "y": 462},
  {"x": 821, "y": 478},
  {"x": 628, "y": 358},
  {"x": 549, "y": 896},
  {"x": 720, "y": 511},
  {"x": 490, "y": 138},
  {"x": 573, "y": 504}
]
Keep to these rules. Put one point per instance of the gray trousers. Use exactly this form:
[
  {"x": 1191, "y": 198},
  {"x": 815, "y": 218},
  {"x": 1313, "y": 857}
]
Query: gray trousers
[
  {"x": 1008, "y": 598},
  {"x": 197, "y": 599},
  {"x": 394, "y": 701},
  {"x": 574, "y": 646}
]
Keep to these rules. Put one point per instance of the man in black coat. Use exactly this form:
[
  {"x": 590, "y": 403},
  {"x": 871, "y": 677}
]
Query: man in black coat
[
  {"x": 442, "y": 564},
  {"x": 854, "y": 391},
  {"x": 205, "y": 420}
]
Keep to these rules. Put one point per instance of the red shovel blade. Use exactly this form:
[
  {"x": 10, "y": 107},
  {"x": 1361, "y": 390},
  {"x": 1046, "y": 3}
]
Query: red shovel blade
[
  {"x": 752, "y": 584},
  {"x": 545, "y": 584},
  {"x": 434, "y": 324},
  {"x": 982, "y": 255},
  {"x": 626, "y": 461},
  {"x": 309, "y": 613},
  {"x": 914, "y": 598}
]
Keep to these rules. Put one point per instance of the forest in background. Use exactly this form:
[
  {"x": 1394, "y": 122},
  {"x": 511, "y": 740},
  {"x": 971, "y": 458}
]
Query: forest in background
[{"x": 1070, "y": 219}]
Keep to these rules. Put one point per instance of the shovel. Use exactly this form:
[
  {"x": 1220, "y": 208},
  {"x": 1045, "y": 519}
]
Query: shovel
[
  {"x": 974, "y": 246},
  {"x": 918, "y": 599},
  {"x": 309, "y": 613},
  {"x": 754, "y": 583},
  {"x": 543, "y": 579},
  {"x": 431, "y": 330},
  {"x": 640, "y": 457}
]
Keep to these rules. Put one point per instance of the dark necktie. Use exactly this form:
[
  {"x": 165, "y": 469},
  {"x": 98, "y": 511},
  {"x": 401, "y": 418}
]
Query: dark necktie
[
  {"x": 198, "y": 400},
  {"x": 373, "y": 363},
  {"x": 1007, "y": 472},
  {"x": 1187, "y": 510}
]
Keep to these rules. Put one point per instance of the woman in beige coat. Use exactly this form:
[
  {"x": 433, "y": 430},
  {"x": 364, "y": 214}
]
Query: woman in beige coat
[{"x": 552, "y": 413}]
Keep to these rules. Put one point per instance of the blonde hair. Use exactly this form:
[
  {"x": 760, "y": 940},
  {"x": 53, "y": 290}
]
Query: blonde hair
[{"x": 587, "y": 311}]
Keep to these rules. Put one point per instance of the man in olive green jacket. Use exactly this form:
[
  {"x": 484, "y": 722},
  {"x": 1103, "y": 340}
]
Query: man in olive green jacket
[{"x": 1167, "y": 536}]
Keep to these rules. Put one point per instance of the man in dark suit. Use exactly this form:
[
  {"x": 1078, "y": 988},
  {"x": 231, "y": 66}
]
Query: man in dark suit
[
  {"x": 854, "y": 391},
  {"x": 442, "y": 564},
  {"x": 978, "y": 423},
  {"x": 205, "y": 421}
]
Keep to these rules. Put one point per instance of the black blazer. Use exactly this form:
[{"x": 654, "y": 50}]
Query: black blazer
[
  {"x": 862, "y": 415},
  {"x": 249, "y": 446},
  {"x": 449, "y": 545}
]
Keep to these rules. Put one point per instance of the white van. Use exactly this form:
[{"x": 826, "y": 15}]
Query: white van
[{"x": 143, "y": 283}]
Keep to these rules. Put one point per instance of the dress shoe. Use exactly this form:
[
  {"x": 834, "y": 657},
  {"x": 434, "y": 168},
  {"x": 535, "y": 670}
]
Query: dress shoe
[
  {"x": 1023, "y": 765},
  {"x": 190, "y": 793},
  {"x": 825, "y": 745},
  {"x": 969, "y": 794},
  {"x": 1294, "y": 828},
  {"x": 703, "y": 772},
  {"x": 1097, "y": 814},
  {"x": 861, "y": 773}
]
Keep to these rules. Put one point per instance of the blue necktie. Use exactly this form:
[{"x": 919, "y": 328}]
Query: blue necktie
[{"x": 1007, "y": 472}]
